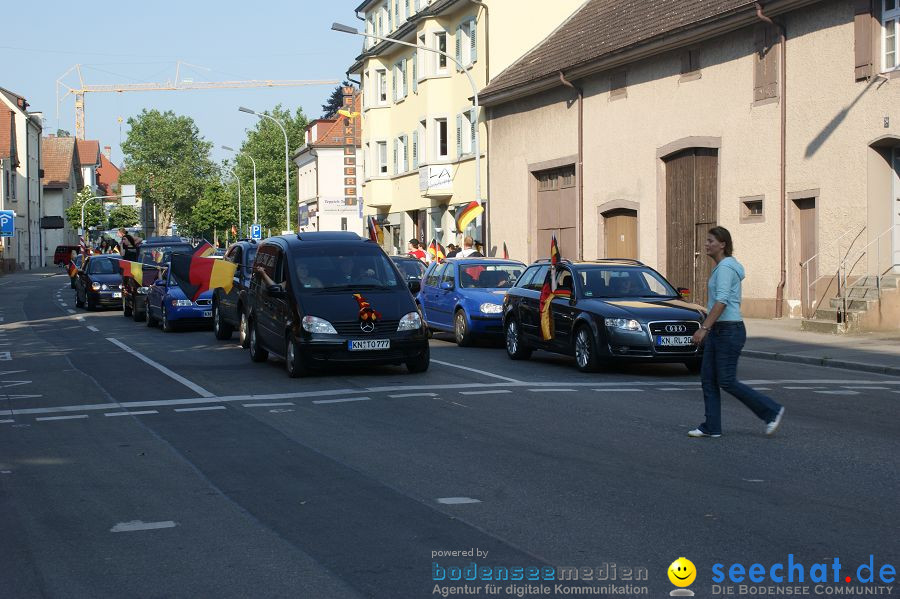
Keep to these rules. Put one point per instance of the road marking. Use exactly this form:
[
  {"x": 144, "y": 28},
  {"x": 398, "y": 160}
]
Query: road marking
[
  {"x": 553, "y": 390},
  {"x": 63, "y": 304},
  {"x": 70, "y": 311},
  {"x": 95, "y": 329},
  {"x": 280, "y": 410},
  {"x": 674, "y": 389},
  {"x": 79, "y": 318},
  {"x": 5, "y": 356},
  {"x": 5, "y": 372},
  {"x": 803, "y": 387},
  {"x": 620, "y": 390},
  {"x": 137, "y": 525},
  {"x": 203, "y": 409},
  {"x": 139, "y": 413},
  {"x": 484, "y": 392},
  {"x": 22, "y": 396},
  {"x": 267, "y": 405},
  {"x": 753, "y": 480},
  {"x": 396, "y": 395},
  {"x": 6, "y": 384},
  {"x": 342, "y": 400},
  {"x": 484, "y": 372},
  {"x": 457, "y": 500},
  {"x": 192, "y": 386},
  {"x": 865, "y": 388},
  {"x": 842, "y": 392},
  {"x": 79, "y": 416},
  {"x": 6, "y": 421}
]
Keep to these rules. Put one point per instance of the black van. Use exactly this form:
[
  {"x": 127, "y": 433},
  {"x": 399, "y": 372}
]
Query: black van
[{"x": 331, "y": 297}]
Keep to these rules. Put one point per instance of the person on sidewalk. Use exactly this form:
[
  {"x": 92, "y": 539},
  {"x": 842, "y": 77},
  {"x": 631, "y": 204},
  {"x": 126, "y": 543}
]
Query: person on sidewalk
[
  {"x": 468, "y": 250},
  {"x": 414, "y": 250},
  {"x": 723, "y": 336}
]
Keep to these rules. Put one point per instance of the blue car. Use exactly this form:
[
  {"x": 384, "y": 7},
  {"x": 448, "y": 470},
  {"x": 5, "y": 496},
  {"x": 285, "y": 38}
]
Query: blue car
[
  {"x": 464, "y": 296},
  {"x": 168, "y": 305}
]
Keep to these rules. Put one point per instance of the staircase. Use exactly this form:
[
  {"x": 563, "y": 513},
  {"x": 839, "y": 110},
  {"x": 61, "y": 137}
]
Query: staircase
[{"x": 866, "y": 311}]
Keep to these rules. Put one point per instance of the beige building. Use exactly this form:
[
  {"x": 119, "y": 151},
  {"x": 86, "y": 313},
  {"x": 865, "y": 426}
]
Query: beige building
[
  {"x": 687, "y": 115},
  {"x": 62, "y": 180},
  {"x": 419, "y": 126}
]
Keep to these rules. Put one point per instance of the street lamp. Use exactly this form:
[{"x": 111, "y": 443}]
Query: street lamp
[
  {"x": 287, "y": 174},
  {"x": 236, "y": 178},
  {"x": 352, "y": 30},
  {"x": 85, "y": 204},
  {"x": 255, "y": 211}
]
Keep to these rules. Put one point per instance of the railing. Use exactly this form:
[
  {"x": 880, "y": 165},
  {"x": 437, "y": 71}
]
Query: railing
[
  {"x": 844, "y": 271},
  {"x": 811, "y": 300}
]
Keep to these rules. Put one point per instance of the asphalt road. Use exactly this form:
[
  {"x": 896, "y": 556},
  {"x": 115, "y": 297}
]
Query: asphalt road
[{"x": 181, "y": 469}]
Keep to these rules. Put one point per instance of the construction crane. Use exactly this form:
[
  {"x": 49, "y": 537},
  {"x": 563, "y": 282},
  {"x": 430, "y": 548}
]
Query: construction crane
[{"x": 178, "y": 84}]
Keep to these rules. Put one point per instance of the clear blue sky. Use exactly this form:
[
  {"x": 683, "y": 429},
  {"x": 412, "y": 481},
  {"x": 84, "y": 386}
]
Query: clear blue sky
[{"x": 124, "y": 42}]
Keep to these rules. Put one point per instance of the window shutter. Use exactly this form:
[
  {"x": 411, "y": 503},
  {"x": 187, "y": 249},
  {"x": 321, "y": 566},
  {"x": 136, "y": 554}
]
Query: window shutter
[
  {"x": 395, "y": 156},
  {"x": 403, "y": 84},
  {"x": 418, "y": 5},
  {"x": 863, "y": 48},
  {"x": 458, "y": 135},
  {"x": 405, "y": 153},
  {"x": 765, "y": 71},
  {"x": 473, "y": 127},
  {"x": 415, "y": 73},
  {"x": 407, "y": 9},
  {"x": 458, "y": 46},
  {"x": 415, "y": 149},
  {"x": 473, "y": 41},
  {"x": 394, "y": 84}
]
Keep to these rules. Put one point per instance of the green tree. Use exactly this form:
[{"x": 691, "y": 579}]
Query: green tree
[
  {"x": 265, "y": 143},
  {"x": 212, "y": 214},
  {"x": 335, "y": 100},
  {"x": 168, "y": 160},
  {"x": 93, "y": 210},
  {"x": 123, "y": 216}
]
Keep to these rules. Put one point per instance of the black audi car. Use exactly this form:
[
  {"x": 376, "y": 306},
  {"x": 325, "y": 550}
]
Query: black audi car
[
  {"x": 333, "y": 298},
  {"x": 610, "y": 310},
  {"x": 98, "y": 283},
  {"x": 230, "y": 309}
]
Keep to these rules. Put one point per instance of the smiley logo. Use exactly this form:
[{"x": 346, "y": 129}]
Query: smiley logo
[{"x": 682, "y": 572}]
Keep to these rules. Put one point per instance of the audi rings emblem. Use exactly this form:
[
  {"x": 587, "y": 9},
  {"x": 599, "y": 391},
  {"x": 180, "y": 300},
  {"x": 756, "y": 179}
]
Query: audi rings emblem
[
  {"x": 676, "y": 328},
  {"x": 367, "y": 326}
]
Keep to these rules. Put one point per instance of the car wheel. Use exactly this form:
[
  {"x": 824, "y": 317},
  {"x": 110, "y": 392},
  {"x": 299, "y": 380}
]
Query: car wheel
[
  {"x": 138, "y": 316},
  {"x": 461, "y": 329},
  {"x": 126, "y": 310},
  {"x": 694, "y": 366},
  {"x": 421, "y": 363},
  {"x": 586, "y": 358},
  {"x": 257, "y": 353},
  {"x": 515, "y": 347},
  {"x": 293, "y": 359},
  {"x": 221, "y": 328},
  {"x": 243, "y": 333},
  {"x": 167, "y": 325}
]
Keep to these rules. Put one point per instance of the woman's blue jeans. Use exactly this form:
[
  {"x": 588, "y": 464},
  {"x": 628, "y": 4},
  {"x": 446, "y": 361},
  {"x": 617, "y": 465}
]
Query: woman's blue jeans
[{"x": 721, "y": 350}]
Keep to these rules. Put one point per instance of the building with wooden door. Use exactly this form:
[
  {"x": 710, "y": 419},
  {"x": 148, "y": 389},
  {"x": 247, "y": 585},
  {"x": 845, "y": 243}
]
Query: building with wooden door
[{"x": 637, "y": 126}]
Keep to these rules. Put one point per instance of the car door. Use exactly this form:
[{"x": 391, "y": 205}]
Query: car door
[
  {"x": 529, "y": 306},
  {"x": 430, "y": 291},
  {"x": 563, "y": 311},
  {"x": 228, "y": 301},
  {"x": 446, "y": 296},
  {"x": 272, "y": 318}
]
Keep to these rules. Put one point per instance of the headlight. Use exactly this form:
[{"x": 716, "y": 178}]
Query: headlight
[
  {"x": 120, "y": 286},
  {"x": 143, "y": 290},
  {"x": 95, "y": 286},
  {"x": 489, "y": 308},
  {"x": 314, "y": 324},
  {"x": 182, "y": 302},
  {"x": 622, "y": 323},
  {"x": 104, "y": 287},
  {"x": 410, "y": 322}
]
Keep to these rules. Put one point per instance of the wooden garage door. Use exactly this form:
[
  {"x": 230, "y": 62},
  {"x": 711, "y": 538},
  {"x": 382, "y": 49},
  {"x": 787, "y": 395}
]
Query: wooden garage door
[
  {"x": 620, "y": 233},
  {"x": 691, "y": 201},
  {"x": 557, "y": 208}
]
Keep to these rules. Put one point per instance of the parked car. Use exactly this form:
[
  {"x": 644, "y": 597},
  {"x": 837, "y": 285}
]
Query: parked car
[
  {"x": 230, "y": 309},
  {"x": 619, "y": 310},
  {"x": 153, "y": 255},
  {"x": 99, "y": 283},
  {"x": 332, "y": 298},
  {"x": 412, "y": 268},
  {"x": 168, "y": 305},
  {"x": 63, "y": 254},
  {"x": 79, "y": 260},
  {"x": 465, "y": 296}
]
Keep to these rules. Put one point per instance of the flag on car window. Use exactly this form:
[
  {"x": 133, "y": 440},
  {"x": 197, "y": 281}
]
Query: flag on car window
[
  {"x": 374, "y": 230},
  {"x": 135, "y": 270},
  {"x": 72, "y": 268},
  {"x": 505, "y": 252},
  {"x": 547, "y": 297},
  {"x": 204, "y": 249},
  {"x": 196, "y": 274},
  {"x": 554, "y": 251}
]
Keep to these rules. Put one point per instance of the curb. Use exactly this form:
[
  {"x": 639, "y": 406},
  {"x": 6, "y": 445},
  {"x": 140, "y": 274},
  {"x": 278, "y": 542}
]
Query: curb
[{"x": 826, "y": 362}]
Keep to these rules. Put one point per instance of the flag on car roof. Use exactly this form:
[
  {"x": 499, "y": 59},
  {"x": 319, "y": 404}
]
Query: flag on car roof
[
  {"x": 554, "y": 251},
  {"x": 197, "y": 274},
  {"x": 467, "y": 214},
  {"x": 505, "y": 252},
  {"x": 374, "y": 229},
  {"x": 547, "y": 297},
  {"x": 204, "y": 249},
  {"x": 135, "y": 270},
  {"x": 437, "y": 251}
]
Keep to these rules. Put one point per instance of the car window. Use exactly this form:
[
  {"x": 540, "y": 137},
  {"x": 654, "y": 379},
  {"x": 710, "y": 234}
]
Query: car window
[
  {"x": 250, "y": 254},
  {"x": 449, "y": 275},
  {"x": 564, "y": 279},
  {"x": 526, "y": 278},
  {"x": 234, "y": 254},
  {"x": 488, "y": 276},
  {"x": 624, "y": 282},
  {"x": 162, "y": 254},
  {"x": 343, "y": 267},
  {"x": 410, "y": 268},
  {"x": 265, "y": 259},
  {"x": 434, "y": 277},
  {"x": 537, "y": 280},
  {"x": 104, "y": 267}
]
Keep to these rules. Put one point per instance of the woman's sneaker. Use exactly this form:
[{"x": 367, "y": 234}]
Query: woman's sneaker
[
  {"x": 698, "y": 432},
  {"x": 771, "y": 427}
]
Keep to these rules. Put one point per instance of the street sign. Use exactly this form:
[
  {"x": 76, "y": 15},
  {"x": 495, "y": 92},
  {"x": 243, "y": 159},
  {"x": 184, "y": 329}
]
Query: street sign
[
  {"x": 255, "y": 231},
  {"x": 7, "y": 223}
]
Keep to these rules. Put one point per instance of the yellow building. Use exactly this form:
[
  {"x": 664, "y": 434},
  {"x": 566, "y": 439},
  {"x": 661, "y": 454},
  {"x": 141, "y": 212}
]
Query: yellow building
[{"x": 418, "y": 119}]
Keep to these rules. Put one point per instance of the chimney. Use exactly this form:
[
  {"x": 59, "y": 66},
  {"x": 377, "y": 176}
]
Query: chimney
[{"x": 107, "y": 151}]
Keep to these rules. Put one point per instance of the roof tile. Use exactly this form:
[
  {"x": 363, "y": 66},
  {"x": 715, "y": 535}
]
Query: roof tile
[
  {"x": 88, "y": 152},
  {"x": 58, "y": 154}
]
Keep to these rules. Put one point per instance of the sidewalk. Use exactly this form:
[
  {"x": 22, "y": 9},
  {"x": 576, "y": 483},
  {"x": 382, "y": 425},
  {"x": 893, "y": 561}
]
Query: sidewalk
[{"x": 783, "y": 340}]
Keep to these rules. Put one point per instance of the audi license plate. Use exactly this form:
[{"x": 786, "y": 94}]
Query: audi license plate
[
  {"x": 368, "y": 344},
  {"x": 117, "y": 294},
  {"x": 673, "y": 340},
  {"x": 207, "y": 314}
]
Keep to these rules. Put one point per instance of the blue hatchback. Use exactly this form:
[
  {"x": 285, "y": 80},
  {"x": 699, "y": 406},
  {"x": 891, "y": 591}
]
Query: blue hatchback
[
  {"x": 464, "y": 296},
  {"x": 168, "y": 305}
]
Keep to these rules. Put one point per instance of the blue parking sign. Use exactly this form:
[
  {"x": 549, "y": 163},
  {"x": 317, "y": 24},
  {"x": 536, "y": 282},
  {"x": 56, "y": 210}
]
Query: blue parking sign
[
  {"x": 256, "y": 231},
  {"x": 7, "y": 223}
]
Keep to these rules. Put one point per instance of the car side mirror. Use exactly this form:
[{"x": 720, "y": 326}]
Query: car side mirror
[
  {"x": 276, "y": 291},
  {"x": 684, "y": 292},
  {"x": 447, "y": 286},
  {"x": 414, "y": 286}
]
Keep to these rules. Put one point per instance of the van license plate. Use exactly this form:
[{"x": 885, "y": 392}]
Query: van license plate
[
  {"x": 368, "y": 344},
  {"x": 207, "y": 314},
  {"x": 670, "y": 341}
]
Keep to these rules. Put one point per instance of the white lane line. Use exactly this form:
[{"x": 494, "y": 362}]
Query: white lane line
[
  {"x": 342, "y": 400},
  {"x": 190, "y": 385},
  {"x": 674, "y": 389},
  {"x": 95, "y": 329},
  {"x": 839, "y": 392},
  {"x": 6, "y": 421},
  {"x": 485, "y": 392},
  {"x": 396, "y": 395},
  {"x": 5, "y": 356},
  {"x": 203, "y": 409},
  {"x": 7, "y": 384},
  {"x": 6, "y": 372},
  {"x": 803, "y": 387},
  {"x": 865, "y": 388},
  {"x": 267, "y": 405},
  {"x": 484, "y": 372},
  {"x": 553, "y": 390},
  {"x": 137, "y": 525},
  {"x": 620, "y": 390},
  {"x": 138, "y": 413},
  {"x": 457, "y": 500},
  {"x": 79, "y": 416},
  {"x": 79, "y": 318},
  {"x": 70, "y": 311},
  {"x": 64, "y": 304}
]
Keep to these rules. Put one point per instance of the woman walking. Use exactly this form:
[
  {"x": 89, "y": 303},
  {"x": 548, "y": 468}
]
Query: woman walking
[{"x": 723, "y": 336}]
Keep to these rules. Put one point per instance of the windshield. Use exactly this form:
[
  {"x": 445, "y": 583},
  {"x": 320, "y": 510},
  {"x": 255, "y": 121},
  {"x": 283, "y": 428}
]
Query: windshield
[
  {"x": 344, "y": 268},
  {"x": 412, "y": 269},
  {"x": 624, "y": 282},
  {"x": 162, "y": 254},
  {"x": 104, "y": 267},
  {"x": 488, "y": 276}
]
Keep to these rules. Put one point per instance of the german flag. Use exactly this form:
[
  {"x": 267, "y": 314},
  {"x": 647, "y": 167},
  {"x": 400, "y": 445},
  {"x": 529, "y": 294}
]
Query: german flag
[
  {"x": 467, "y": 214},
  {"x": 547, "y": 297},
  {"x": 441, "y": 253},
  {"x": 72, "y": 269},
  {"x": 554, "y": 251},
  {"x": 505, "y": 252},
  {"x": 204, "y": 249},
  {"x": 374, "y": 230},
  {"x": 196, "y": 274},
  {"x": 135, "y": 270}
]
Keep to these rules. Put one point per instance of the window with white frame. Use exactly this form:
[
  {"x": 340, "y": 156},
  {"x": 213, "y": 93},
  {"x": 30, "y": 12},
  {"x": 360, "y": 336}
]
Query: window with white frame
[
  {"x": 400, "y": 84},
  {"x": 402, "y": 157},
  {"x": 890, "y": 27},
  {"x": 382, "y": 158},
  {"x": 467, "y": 42},
  {"x": 366, "y": 168},
  {"x": 465, "y": 133},
  {"x": 370, "y": 28},
  {"x": 422, "y": 55},
  {"x": 473, "y": 128},
  {"x": 381, "y": 78},
  {"x": 440, "y": 44},
  {"x": 367, "y": 90},
  {"x": 441, "y": 139},
  {"x": 421, "y": 143}
]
